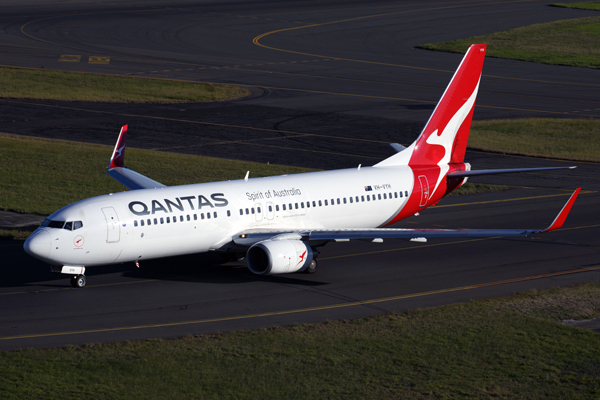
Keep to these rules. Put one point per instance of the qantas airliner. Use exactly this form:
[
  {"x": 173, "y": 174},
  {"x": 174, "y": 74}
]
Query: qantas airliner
[{"x": 277, "y": 222}]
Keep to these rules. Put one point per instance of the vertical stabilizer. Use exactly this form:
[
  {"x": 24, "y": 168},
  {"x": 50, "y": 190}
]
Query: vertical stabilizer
[{"x": 444, "y": 138}]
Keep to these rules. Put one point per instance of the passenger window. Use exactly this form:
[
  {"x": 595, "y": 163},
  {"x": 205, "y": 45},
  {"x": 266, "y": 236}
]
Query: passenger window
[
  {"x": 168, "y": 220},
  {"x": 290, "y": 206},
  {"x": 188, "y": 217},
  {"x": 320, "y": 204},
  {"x": 155, "y": 221},
  {"x": 162, "y": 221},
  {"x": 332, "y": 202},
  {"x": 395, "y": 195},
  {"x": 202, "y": 216},
  {"x": 228, "y": 213},
  {"x": 400, "y": 194},
  {"x": 252, "y": 209},
  {"x": 325, "y": 202},
  {"x": 338, "y": 201},
  {"x": 270, "y": 209},
  {"x": 241, "y": 212},
  {"x": 406, "y": 193},
  {"x": 247, "y": 211},
  {"x": 302, "y": 204},
  {"x": 363, "y": 198},
  {"x": 379, "y": 197},
  {"x": 181, "y": 218},
  {"x": 277, "y": 207},
  {"x": 357, "y": 199},
  {"x": 195, "y": 217},
  {"x": 296, "y": 206},
  {"x": 68, "y": 225},
  {"x": 308, "y": 204},
  {"x": 142, "y": 222},
  {"x": 283, "y": 207},
  {"x": 135, "y": 223},
  {"x": 207, "y": 215},
  {"x": 257, "y": 210},
  {"x": 214, "y": 214},
  {"x": 174, "y": 219},
  {"x": 149, "y": 222}
]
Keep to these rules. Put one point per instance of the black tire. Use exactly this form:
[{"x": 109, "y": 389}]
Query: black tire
[
  {"x": 78, "y": 281},
  {"x": 312, "y": 267}
]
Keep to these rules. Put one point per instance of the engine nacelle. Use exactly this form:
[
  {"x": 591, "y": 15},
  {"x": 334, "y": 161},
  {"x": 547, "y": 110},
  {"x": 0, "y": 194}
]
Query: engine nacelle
[{"x": 271, "y": 257}]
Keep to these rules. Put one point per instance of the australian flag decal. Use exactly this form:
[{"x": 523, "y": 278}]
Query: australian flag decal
[{"x": 368, "y": 188}]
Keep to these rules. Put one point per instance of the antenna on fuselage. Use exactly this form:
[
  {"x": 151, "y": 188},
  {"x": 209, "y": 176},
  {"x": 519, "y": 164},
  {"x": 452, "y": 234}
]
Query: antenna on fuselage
[{"x": 247, "y": 174}]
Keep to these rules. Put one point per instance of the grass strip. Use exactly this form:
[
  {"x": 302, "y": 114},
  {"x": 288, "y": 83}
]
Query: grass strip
[
  {"x": 40, "y": 176},
  {"x": 481, "y": 349},
  {"x": 573, "y": 42},
  {"x": 24, "y": 83},
  {"x": 581, "y": 5},
  {"x": 572, "y": 139}
]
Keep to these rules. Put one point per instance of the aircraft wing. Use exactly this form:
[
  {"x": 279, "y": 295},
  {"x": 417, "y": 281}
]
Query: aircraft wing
[
  {"x": 250, "y": 237},
  {"x": 129, "y": 178}
]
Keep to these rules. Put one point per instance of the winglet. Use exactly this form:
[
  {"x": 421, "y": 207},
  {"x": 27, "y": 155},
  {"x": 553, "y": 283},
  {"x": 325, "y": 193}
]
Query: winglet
[
  {"x": 118, "y": 155},
  {"x": 560, "y": 218}
]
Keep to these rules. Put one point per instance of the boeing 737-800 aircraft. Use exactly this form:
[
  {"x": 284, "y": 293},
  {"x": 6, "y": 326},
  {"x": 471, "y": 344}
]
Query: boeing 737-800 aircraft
[{"x": 276, "y": 222}]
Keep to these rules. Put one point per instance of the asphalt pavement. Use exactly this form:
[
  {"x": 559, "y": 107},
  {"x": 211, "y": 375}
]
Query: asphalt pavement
[{"x": 332, "y": 83}]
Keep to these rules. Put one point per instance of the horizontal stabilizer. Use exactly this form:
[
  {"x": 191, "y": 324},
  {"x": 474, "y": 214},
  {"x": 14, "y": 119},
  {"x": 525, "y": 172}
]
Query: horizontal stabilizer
[
  {"x": 465, "y": 174},
  {"x": 398, "y": 147}
]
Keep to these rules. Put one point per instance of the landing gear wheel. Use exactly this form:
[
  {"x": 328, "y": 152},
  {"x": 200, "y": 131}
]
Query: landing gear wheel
[
  {"x": 312, "y": 267},
  {"x": 78, "y": 281}
]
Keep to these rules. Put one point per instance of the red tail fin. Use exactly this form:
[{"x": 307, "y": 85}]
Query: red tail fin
[{"x": 444, "y": 138}]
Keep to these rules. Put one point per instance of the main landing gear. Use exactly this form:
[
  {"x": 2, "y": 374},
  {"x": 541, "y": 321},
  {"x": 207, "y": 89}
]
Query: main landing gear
[
  {"x": 312, "y": 267},
  {"x": 78, "y": 281}
]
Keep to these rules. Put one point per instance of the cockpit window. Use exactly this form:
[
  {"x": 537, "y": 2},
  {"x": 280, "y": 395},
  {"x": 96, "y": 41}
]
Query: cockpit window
[
  {"x": 53, "y": 224},
  {"x": 69, "y": 225}
]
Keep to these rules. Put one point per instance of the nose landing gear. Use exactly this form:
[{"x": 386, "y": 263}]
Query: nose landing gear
[{"x": 78, "y": 281}]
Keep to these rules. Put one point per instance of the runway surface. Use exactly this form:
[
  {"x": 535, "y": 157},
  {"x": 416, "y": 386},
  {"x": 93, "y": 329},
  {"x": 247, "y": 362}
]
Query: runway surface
[{"x": 332, "y": 84}]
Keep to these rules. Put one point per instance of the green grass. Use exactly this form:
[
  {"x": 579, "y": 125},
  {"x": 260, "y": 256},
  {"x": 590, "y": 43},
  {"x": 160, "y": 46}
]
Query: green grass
[
  {"x": 568, "y": 139},
  {"x": 481, "y": 349},
  {"x": 24, "y": 83},
  {"x": 474, "y": 188},
  {"x": 39, "y": 176},
  {"x": 573, "y": 42},
  {"x": 582, "y": 5}
]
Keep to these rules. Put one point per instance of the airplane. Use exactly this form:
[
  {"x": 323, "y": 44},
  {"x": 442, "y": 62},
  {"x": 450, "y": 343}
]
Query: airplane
[{"x": 279, "y": 222}]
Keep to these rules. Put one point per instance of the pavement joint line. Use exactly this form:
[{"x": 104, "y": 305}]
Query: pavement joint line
[
  {"x": 326, "y": 58},
  {"x": 329, "y": 93},
  {"x": 515, "y": 199},
  {"x": 257, "y": 39},
  {"x": 304, "y": 310},
  {"x": 299, "y": 134},
  {"x": 70, "y": 288}
]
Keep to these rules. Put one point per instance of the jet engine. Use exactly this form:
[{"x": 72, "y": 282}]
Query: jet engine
[{"x": 271, "y": 257}]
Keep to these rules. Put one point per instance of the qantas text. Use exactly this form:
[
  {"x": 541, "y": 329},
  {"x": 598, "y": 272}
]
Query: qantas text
[{"x": 180, "y": 203}]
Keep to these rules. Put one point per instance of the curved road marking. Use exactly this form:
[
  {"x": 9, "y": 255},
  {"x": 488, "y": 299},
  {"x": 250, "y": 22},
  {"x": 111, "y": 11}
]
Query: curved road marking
[
  {"x": 257, "y": 39},
  {"x": 304, "y": 310}
]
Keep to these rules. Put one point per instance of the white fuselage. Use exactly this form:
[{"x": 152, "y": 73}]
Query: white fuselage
[{"x": 151, "y": 223}]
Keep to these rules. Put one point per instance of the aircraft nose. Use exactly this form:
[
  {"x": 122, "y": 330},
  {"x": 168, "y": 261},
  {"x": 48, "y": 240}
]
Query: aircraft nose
[{"x": 38, "y": 244}]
